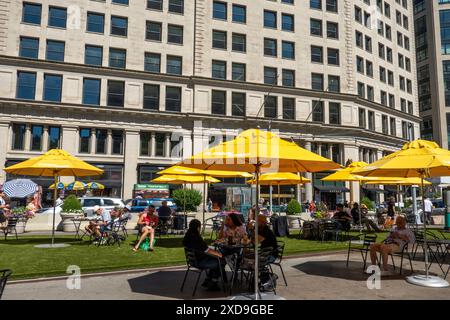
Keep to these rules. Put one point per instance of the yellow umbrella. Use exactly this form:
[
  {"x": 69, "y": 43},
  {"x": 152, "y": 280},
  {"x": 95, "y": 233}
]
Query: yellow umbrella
[
  {"x": 259, "y": 151},
  {"x": 76, "y": 185},
  {"x": 417, "y": 159},
  {"x": 280, "y": 178},
  {"x": 401, "y": 182},
  {"x": 59, "y": 185},
  {"x": 95, "y": 185},
  {"x": 54, "y": 163}
]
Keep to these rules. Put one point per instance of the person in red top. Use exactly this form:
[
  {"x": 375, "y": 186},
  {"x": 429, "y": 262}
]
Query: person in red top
[{"x": 147, "y": 223}]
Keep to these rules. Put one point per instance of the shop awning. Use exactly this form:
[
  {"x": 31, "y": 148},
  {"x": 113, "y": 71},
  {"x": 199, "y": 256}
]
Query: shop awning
[
  {"x": 334, "y": 189},
  {"x": 374, "y": 189}
]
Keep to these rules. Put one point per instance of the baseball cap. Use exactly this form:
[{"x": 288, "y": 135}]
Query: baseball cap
[{"x": 96, "y": 208}]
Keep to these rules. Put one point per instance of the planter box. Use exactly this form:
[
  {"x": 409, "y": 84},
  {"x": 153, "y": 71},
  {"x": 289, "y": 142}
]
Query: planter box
[
  {"x": 293, "y": 221},
  {"x": 67, "y": 223}
]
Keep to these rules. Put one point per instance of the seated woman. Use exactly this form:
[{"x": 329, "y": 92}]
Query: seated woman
[
  {"x": 147, "y": 222},
  {"x": 342, "y": 217},
  {"x": 232, "y": 229},
  {"x": 206, "y": 257}
]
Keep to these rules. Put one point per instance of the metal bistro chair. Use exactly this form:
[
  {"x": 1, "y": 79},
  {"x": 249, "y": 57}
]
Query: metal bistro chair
[
  {"x": 4, "y": 275},
  {"x": 214, "y": 223},
  {"x": 11, "y": 227},
  {"x": 362, "y": 246},
  {"x": 277, "y": 262},
  {"x": 330, "y": 227},
  {"x": 114, "y": 236},
  {"x": 404, "y": 251},
  {"x": 263, "y": 267}
]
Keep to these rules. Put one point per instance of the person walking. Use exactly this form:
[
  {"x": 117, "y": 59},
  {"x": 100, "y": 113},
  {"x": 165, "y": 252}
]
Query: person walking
[{"x": 428, "y": 209}]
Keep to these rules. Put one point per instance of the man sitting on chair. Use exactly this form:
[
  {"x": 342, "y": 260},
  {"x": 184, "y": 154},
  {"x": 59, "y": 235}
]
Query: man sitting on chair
[{"x": 398, "y": 238}]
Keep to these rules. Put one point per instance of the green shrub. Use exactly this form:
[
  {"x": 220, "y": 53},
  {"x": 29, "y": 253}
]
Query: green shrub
[
  {"x": 71, "y": 205},
  {"x": 193, "y": 199},
  {"x": 369, "y": 203},
  {"x": 294, "y": 207}
]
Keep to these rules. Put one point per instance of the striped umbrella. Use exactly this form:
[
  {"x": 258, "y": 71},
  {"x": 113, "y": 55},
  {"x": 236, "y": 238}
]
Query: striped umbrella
[
  {"x": 95, "y": 185},
  {"x": 76, "y": 185},
  {"x": 19, "y": 188},
  {"x": 59, "y": 186}
]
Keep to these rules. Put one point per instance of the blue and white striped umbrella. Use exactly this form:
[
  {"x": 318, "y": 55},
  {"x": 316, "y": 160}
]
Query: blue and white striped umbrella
[{"x": 19, "y": 188}]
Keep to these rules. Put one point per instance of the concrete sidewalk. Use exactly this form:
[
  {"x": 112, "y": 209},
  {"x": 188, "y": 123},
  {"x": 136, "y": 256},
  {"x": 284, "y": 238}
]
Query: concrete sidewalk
[{"x": 312, "y": 277}]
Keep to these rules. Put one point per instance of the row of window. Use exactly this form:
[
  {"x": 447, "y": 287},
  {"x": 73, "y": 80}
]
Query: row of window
[
  {"x": 36, "y": 133},
  {"x": 87, "y": 145}
]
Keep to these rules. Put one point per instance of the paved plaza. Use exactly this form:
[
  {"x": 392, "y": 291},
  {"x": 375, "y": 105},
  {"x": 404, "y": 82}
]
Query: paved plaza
[{"x": 309, "y": 277}]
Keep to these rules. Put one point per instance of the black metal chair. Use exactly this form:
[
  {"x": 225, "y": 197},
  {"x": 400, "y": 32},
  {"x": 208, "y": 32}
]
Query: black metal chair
[
  {"x": 4, "y": 275},
  {"x": 193, "y": 263},
  {"x": 263, "y": 268},
  {"x": 362, "y": 247},
  {"x": 214, "y": 223},
  {"x": 404, "y": 251},
  {"x": 330, "y": 227},
  {"x": 280, "y": 251},
  {"x": 11, "y": 227}
]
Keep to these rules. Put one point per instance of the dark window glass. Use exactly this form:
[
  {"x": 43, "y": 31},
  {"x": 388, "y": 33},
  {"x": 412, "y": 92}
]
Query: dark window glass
[
  {"x": 120, "y": 1},
  {"x": 29, "y": 47},
  {"x": 153, "y": 31},
  {"x": 117, "y": 142},
  {"x": 288, "y": 50},
  {"x": 332, "y": 30},
  {"x": 54, "y": 137},
  {"x": 270, "y": 19},
  {"x": 239, "y": 42},
  {"x": 116, "y": 93},
  {"x": 315, "y": 4},
  {"x": 317, "y": 112},
  {"x": 91, "y": 91},
  {"x": 55, "y": 50},
  {"x": 26, "y": 85},
  {"x": 288, "y": 78},
  {"x": 152, "y": 62},
  {"x": 287, "y": 22},
  {"x": 160, "y": 139},
  {"x": 93, "y": 55},
  {"x": 117, "y": 58},
  {"x": 270, "y": 75},
  {"x": 333, "y": 56},
  {"x": 289, "y": 108},
  {"x": 238, "y": 72},
  {"x": 316, "y": 27},
  {"x": 85, "y": 140},
  {"x": 219, "y": 69},
  {"x": 52, "y": 87},
  {"x": 101, "y": 136},
  {"x": 317, "y": 81},
  {"x": 95, "y": 22},
  {"x": 18, "y": 136},
  {"x": 446, "y": 71},
  {"x": 270, "y": 47},
  {"x": 219, "y": 10},
  {"x": 270, "y": 107},
  {"x": 31, "y": 13},
  {"x": 334, "y": 83},
  {"x": 173, "y": 99},
  {"x": 174, "y": 65},
  {"x": 444, "y": 17},
  {"x": 219, "y": 39},
  {"x": 176, "y": 6},
  {"x": 36, "y": 138},
  {"x": 175, "y": 34},
  {"x": 332, "y": 5},
  {"x": 335, "y": 113},
  {"x": 145, "y": 143},
  {"x": 239, "y": 13},
  {"x": 218, "y": 102},
  {"x": 316, "y": 54},
  {"x": 155, "y": 4},
  {"x": 57, "y": 17},
  {"x": 151, "y": 96},
  {"x": 238, "y": 104},
  {"x": 362, "y": 117},
  {"x": 119, "y": 26}
]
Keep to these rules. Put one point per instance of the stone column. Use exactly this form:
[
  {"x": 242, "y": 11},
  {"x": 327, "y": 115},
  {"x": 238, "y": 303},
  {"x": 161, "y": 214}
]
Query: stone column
[
  {"x": 187, "y": 145},
  {"x": 152, "y": 145},
  {"x": 4, "y": 147},
  {"x": 131, "y": 152},
  {"x": 309, "y": 194},
  {"x": 109, "y": 142},
  {"x": 27, "y": 145},
  {"x": 70, "y": 143},
  {"x": 45, "y": 138},
  {"x": 352, "y": 152},
  {"x": 93, "y": 141},
  {"x": 167, "y": 146}
]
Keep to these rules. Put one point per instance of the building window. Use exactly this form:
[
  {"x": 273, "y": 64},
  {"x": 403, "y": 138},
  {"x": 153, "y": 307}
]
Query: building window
[
  {"x": 91, "y": 91},
  {"x": 218, "y": 102},
  {"x": 175, "y": 34},
  {"x": 31, "y": 13},
  {"x": 239, "y": 13},
  {"x": 159, "y": 144},
  {"x": 119, "y": 26},
  {"x": 55, "y": 50},
  {"x": 36, "y": 138},
  {"x": 334, "y": 83},
  {"x": 332, "y": 5},
  {"x": 393, "y": 126},
  {"x": 52, "y": 87},
  {"x": 359, "y": 64},
  {"x": 219, "y": 39},
  {"x": 176, "y": 6},
  {"x": 335, "y": 112},
  {"x": 316, "y": 54},
  {"x": 85, "y": 140},
  {"x": 444, "y": 17},
  {"x": 315, "y": 4},
  {"x": 446, "y": 74},
  {"x": 18, "y": 136},
  {"x": 173, "y": 99},
  {"x": 145, "y": 139},
  {"x": 54, "y": 137},
  {"x": 270, "y": 47},
  {"x": 219, "y": 69},
  {"x": 101, "y": 136},
  {"x": 270, "y": 107},
  {"x": 238, "y": 72},
  {"x": 93, "y": 55},
  {"x": 288, "y": 78},
  {"x": 317, "y": 82},
  {"x": 95, "y": 22},
  {"x": 288, "y": 50},
  {"x": 332, "y": 30},
  {"x": 287, "y": 22},
  {"x": 238, "y": 103},
  {"x": 391, "y": 101},
  {"x": 116, "y": 93},
  {"x": 361, "y": 90},
  {"x": 270, "y": 19},
  {"x": 239, "y": 42},
  {"x": 151, "y": 96},
  {"x": 368, "y": 43},
  {"x": 26, "y": 85},
  {"x": 155, "y": 4},
  {"x": 362, "y": 117},
  {"x": 152, "y": 62},
  {"x": 359, "y": 39},
  {"x": 153, "y": 31},
  {"x": 384, "y": 124},
  {"x": 370, "y": 93},
  {"x": 174, "y": 65},
  {"x": 289, "y": 108},
  {"x": 117, "y": 58},
  {"x": 125, "y": 2},
  {"x": 317, "y": 111},
  {"x": 270, "y": 76},
  {"x": 220, "y": 10},
  {"x": 57, "y": 17},
  {"x": 371, "y": 120},
  {"x": 29, "y": 47},
  {"x": 333, "y": 56},
  {"x": 315, "y": 27},
  {"x": 117, "y": 142},
  {"x": 369, "y": 68},
  {"x": 383, "y": 97}
]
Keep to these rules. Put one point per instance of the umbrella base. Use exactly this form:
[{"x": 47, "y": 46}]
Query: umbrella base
[
  {"x": 430, "y": 281},
  {"x": 263, "y": 296},
  {"x": 49, "y": 245}
]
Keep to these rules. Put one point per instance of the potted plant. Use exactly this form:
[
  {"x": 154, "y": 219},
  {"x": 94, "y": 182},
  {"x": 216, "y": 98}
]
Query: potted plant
[
  {"x": 189, "y": 199},
  {"x": 293, "y": 212},
  {"x": 71, "y": 208},
  {"x": 23, "y": 214}
]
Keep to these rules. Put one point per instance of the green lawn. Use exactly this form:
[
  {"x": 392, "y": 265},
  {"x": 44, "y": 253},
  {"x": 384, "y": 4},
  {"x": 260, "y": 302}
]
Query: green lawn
[{"x": 26, "y": 261}]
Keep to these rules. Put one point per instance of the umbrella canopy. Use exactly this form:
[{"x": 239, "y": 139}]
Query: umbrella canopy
[
  {"x": 95, "y": 185},
  {"x": 19, "y": 188},
  {"x": 346, "y": 174},
  {"x": 180, "y": 170},
  {"x": 280, "y": 178},
  {"x": 182, "y": 179},
  {"x": 400, "y": 182},
  {"x": 76, "y": 185},
  {"x": 59, "y": 186},
  {"x": 263, "y": 149}
]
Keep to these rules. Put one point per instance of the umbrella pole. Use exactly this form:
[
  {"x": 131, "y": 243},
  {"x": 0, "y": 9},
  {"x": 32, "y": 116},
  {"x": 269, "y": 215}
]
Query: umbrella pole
[
  {"x": 398, "y": 197},
  {"x": 359, "y": 186},
  {"x": 55, "y": 191},
  {"x": 270, "y": 196},
  {"x": 204, "y": 198},
  {"x": 184, "y": 206},
  {"x": 279, "y": 202},
  {"x": 425, "y": 249},
  {"x": 257, "y": 172}
]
